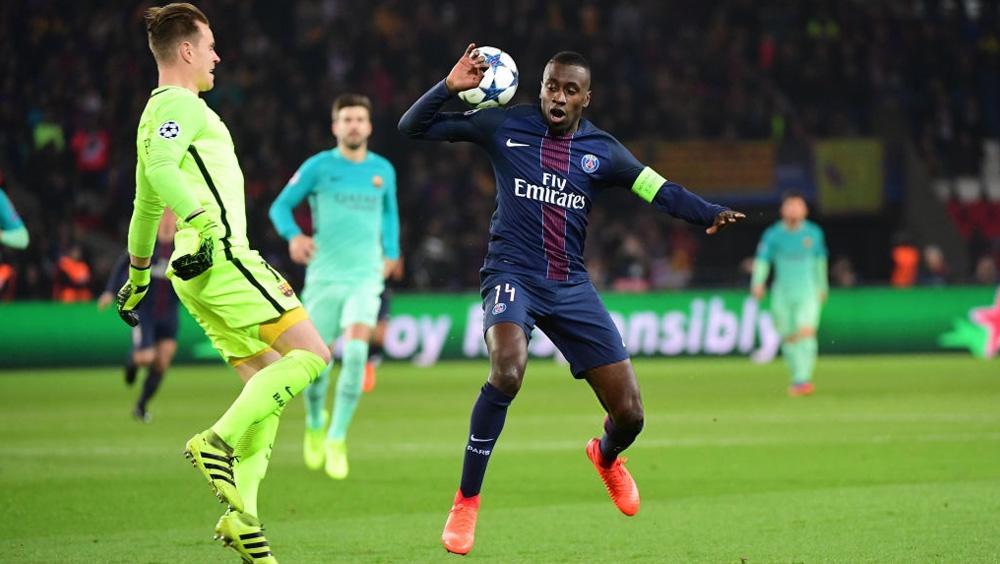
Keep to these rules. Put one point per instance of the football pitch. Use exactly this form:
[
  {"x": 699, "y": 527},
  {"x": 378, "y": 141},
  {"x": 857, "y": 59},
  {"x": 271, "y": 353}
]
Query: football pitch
[{"x": 896, "y": 459}]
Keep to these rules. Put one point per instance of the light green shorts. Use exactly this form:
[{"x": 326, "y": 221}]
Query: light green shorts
[
  {"x": 794, "y": 313},
  {"x": 334, "y": 307},
  {"x": 233, "y": 298}
]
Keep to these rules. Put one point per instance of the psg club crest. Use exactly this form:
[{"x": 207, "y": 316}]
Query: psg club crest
[
  {"x": 170, "y": 130},
  {"x": 590, "y": 163},
  {"x": 499, "y": 308}
]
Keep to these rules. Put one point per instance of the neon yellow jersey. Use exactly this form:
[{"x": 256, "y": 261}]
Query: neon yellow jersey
[{"x": 186, "y": 160}]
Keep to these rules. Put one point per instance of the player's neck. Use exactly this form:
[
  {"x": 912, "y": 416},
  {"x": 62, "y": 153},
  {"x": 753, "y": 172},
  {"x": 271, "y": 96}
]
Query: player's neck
[
  {"x": 173, "y": 77},
  {"x": 793, "y": 224},
  {"x": 356, "y": 155}
]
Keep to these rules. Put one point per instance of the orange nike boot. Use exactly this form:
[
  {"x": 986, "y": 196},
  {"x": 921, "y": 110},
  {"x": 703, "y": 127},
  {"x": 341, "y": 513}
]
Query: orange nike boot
[
  {"x": 617, "y": 480},
  {"x": 368, "y": 384},
  {"x": 460, "y": 529}
]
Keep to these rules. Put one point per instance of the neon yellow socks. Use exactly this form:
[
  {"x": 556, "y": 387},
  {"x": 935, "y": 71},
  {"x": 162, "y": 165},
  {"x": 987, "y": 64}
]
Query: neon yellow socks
[{"x": 268, "y": 392}]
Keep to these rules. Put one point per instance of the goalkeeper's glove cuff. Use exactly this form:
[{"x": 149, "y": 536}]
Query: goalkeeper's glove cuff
[{"x": 205, "y": 225}]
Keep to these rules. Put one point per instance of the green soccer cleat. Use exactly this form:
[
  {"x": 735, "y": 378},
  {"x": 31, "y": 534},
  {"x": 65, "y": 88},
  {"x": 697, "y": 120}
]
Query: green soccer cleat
[
  {"x": 336, "y": 459},
  {"x": 312, "y": 446},
  {"x": 214, "y": 459},
  {"x": 242, "y": 532}
]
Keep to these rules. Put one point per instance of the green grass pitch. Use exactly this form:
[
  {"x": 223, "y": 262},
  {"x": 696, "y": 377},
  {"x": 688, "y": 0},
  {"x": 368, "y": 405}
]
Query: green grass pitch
[{"x": 896, "y": 459}]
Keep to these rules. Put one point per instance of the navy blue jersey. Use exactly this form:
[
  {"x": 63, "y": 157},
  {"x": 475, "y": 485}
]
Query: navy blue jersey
[{"x": 546, "y": 183}]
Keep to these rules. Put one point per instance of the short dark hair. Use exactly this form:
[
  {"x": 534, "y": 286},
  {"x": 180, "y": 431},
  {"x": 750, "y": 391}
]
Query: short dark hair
[
  {"x": 789, "y": 194},
  {"x": 350, "y": 100},
  {"x": 570, "y": 58},
  {"x": 167, "y": 25}
]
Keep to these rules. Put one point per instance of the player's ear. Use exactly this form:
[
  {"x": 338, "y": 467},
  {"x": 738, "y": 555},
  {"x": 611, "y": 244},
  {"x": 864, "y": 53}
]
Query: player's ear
[
  {"x": 185, "y": 50},
  {"x": 586, "y": 100}
]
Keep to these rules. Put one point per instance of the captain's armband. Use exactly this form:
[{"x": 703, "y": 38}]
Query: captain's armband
[{"x": 647, "y": 184}]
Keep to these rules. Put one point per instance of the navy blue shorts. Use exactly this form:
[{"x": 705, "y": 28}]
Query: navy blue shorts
[
  {"x": 571, "y": 315},
  {"x": 152, "y": 329},
  {"x": 383, "y": 308}
]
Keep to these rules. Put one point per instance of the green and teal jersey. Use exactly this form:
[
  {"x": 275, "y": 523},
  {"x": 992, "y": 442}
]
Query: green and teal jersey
[
  {"x": 186, "y": 160},
  {"x": 12, "y": 231},
  {"x": 8, "y": 215},
  {"x": 799, "y": 258},
  {"x": 354, "y": 212}
]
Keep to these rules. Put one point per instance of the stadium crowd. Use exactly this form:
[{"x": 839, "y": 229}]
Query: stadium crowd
[{"x": 733, "y": 70}]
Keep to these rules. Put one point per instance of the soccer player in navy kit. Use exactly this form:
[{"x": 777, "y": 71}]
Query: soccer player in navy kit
[
  {"x": 154, "y": 340},
  {"x": 549, "y": 164}
]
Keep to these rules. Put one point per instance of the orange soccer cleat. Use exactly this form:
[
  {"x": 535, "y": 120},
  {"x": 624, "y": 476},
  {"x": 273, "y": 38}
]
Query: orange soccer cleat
[
  {"x": 460, "y": 529},
  {"x": 368, "y": 383},
  {"x": 617, "y": 480},
  {"x": 801, "y": 389}
]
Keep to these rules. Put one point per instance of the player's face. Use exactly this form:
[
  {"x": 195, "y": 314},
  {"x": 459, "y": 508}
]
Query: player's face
[
  {"x": 352, "y": 126},
  {"x": 204, "y": 58},
  {"x": 794, "y": 210},
  {"x": 565, "y": 93}
]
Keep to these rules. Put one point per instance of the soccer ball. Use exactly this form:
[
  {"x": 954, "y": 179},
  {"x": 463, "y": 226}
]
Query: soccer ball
[{"x": 499, "y": 82}]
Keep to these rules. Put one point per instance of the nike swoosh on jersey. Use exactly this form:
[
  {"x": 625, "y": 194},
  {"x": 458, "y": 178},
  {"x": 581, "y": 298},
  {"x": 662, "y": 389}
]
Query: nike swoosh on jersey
[
  {"x": 512, "y": 143},
  {"x": 475, "y": 440}
]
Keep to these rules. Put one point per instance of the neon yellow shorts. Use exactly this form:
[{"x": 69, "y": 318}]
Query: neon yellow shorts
[
  {"x": 794, "y": 313},
  {"x": 335, "y": 307},
  {"x": 233, "y": 298}
]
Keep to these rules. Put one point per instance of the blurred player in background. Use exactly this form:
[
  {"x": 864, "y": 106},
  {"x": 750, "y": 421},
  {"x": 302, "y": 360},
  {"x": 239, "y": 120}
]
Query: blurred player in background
[
  {"x": 354, "y": 247},
  {"x": 186, "y": 160},
  {"x": 154, "y": 340},
  {"x": 797, "y": 249},
  {"x": 549, "y": 164},
  {"x": 13, "y": 233}
]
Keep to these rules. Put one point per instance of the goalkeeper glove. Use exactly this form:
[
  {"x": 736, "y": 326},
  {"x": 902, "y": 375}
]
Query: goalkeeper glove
[
  {"x": 132, "y": 293},
  {"x": 193, "y": 264}
]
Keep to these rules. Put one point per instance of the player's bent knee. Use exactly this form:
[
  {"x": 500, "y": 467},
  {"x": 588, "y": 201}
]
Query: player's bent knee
[{"x": 507, "y": 378}]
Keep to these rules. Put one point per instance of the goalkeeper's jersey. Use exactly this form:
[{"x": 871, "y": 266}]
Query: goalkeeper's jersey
[{"x": 178, "y": 130}]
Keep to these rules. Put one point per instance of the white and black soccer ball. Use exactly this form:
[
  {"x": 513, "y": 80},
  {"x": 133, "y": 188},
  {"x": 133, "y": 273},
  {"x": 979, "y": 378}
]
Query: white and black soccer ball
[
  {"x": 170, "y": 130},
  {"x": 499, "y": 82}
]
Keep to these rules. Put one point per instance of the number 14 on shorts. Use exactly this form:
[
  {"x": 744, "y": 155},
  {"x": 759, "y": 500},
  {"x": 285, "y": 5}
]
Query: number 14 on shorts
[{"x": 507, "y": 289}]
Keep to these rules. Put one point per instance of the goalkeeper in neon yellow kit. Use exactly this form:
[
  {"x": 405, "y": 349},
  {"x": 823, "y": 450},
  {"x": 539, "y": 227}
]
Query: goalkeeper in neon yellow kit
[
  {"x": 797, "y": 248},
  {"x": 186, "y": 161}
]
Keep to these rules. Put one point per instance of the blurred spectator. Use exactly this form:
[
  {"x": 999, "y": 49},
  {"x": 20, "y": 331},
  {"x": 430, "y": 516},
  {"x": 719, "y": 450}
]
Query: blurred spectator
[
  {"x": 935, "y": 270},
  {"x": 842, "y": 273},
  {"x": 986, "y": 270},
  {"x": 72, "y": 282},
  {"x": 905, "y": 261}
]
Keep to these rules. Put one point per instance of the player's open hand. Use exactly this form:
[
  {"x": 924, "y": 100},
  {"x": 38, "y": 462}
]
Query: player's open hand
[
  {"x": 724, "y": 219},
  {"x": 467, "y": 72},
  {"x": 302, "y": 248},
  {"x": 104, "y": 300}
]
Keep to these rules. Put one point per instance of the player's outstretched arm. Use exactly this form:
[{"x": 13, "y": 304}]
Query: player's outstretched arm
[
  {"x": 664, "y": 195},
  {"x": 425, "y": 121}
]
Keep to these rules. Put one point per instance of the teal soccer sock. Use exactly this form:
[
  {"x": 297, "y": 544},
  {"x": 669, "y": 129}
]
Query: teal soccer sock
[
  {"x": 315, "y": 399},
  {"x": 790, "y": 352},
  {"x": 349, "y": 382},
  {"x": 807, "y": 359}
]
